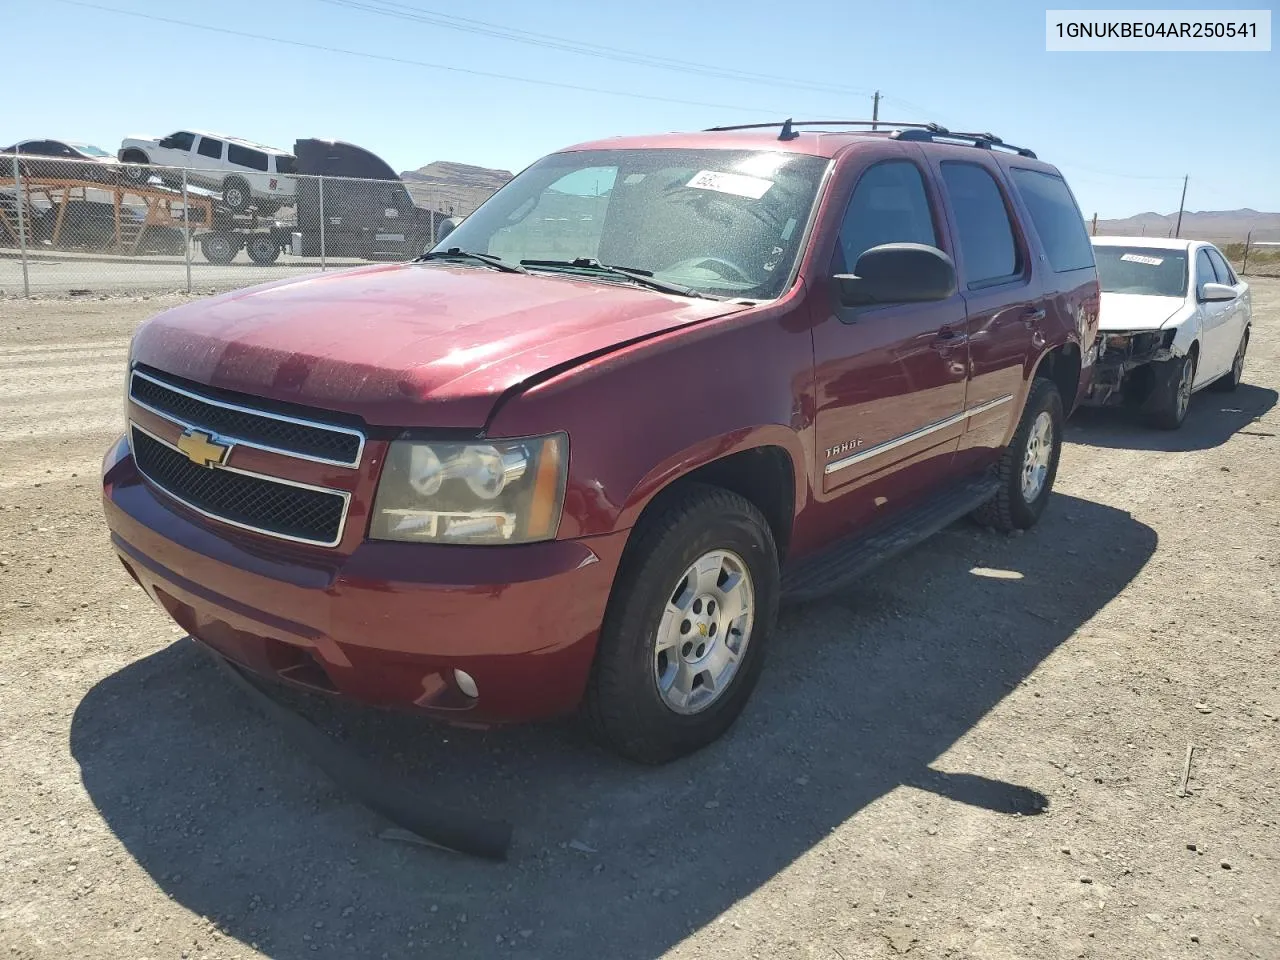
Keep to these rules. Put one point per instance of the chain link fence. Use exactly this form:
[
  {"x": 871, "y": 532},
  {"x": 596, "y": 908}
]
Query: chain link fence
[{"x": 75, "y": 227}]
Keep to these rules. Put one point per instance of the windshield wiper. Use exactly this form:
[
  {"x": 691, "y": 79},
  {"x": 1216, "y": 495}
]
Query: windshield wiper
[
  {"x": 457, "y": 253},
  {"x": 643, "y": 277}
]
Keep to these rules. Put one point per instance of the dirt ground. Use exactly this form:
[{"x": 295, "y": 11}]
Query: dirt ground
[{"x": 974, "y": 754}]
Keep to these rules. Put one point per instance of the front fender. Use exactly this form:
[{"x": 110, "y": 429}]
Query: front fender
[{"x": 643, "y": 417}]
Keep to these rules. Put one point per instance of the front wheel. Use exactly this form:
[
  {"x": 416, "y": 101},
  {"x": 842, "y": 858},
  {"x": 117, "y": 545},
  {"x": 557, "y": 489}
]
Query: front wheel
[
  {"x": 1171, "y": 398},
  {"x": 1029, "y": 464},
  {"x": 684, "y": 636}
]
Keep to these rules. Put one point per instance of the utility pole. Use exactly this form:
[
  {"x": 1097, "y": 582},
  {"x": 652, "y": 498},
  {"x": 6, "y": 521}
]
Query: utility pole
[
  {"x": 1177, "y": 231},
  {"x": 1095, "y": 225},
  {"x": 875, "y": 110}
]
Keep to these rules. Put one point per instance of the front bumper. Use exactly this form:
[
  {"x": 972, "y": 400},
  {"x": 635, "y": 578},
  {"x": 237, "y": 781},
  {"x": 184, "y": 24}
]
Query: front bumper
[
  {"x": 386, "y": 624},
  {"x": 1122, "y": 368}
]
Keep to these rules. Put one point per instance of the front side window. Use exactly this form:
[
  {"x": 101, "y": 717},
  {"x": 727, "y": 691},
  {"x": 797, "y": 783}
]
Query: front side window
[
  {"x": 1146, "y": 271},
  {"x": 889, "y": 205},
  {"x": 210, "y": 148},
  {"x": 1221, "y": 268},
  {"x": 179, "y": 141},
  {"x": 1204, "y": 269},
  {"x": 246, "y": 157},
  {"x": 985, "y": 234},
  {"x": 721, "y": 222},
  {"x": 1056, "y": 217}
]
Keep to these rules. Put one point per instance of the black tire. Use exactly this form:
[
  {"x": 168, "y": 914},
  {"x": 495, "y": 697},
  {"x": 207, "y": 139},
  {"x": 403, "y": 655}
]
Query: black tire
[
  {"x": 262, "y": 249},
  {"x": 132, "y": 172},
  {"x": 1010, "y": 509},
  {"x": 1235, "y": 376},
  {"x": 1170, "y": 398},
  {"x": 623, "y": 705},
  {"x": 219, "y": 248},
  {"x": 236, "y": 194},
  {"x": 267, "y": 208}
]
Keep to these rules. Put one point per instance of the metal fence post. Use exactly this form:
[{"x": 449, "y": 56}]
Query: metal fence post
[
  {"x": 320, "y": 183},
  {"x": 1247, "y": 241},
  {"x": 186, "y": 226},
  {"x": 21, "y": 203}
]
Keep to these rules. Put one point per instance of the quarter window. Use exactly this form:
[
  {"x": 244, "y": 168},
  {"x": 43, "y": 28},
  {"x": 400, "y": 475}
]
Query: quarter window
[
  {"x": 211, "y": 148},
  {"x": 987, "y": 247},
  {"x": 1056, "y": 218},
  {"x": 889, "y": 205}
]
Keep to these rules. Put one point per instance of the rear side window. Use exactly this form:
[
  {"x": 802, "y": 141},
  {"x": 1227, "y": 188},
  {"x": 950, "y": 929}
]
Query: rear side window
[
  {"x": 1056, "y": 218},
  {"x": 210, "y": 147},
  {"x": 245, "y": 157},
  {"x": 982, "y": 224},
  {"x": 1221, "y": 267},
  {"x": 889, "y": 205}
]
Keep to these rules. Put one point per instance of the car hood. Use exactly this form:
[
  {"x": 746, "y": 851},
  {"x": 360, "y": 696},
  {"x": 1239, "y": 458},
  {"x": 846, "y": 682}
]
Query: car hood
[
  {"x": 1134, "y": 311},
  {"x": 429, "y": 345}
]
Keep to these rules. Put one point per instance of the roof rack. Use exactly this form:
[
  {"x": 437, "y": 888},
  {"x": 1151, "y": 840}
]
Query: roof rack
[
  {"x": 983, "y": 141},
  {"x": 901, "y": 130}
]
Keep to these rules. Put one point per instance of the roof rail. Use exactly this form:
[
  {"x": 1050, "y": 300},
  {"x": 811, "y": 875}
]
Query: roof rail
[
  {"x": 789, "y": 133},
  {"x": 901, "y": 130},
  {"x": 983, "y": 141}
]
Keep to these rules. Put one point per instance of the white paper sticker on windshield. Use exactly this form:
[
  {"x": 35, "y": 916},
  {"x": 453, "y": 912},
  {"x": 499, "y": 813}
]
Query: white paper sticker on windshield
[
  {"x": 738, "y": 184},
  {"x": 1139, "y": 258}
]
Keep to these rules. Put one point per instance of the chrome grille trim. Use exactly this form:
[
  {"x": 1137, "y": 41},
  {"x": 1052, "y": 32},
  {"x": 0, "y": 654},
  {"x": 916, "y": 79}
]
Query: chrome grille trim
[
  {"x": 251, "y": 411},
  {"x": 345, "y": 495}
]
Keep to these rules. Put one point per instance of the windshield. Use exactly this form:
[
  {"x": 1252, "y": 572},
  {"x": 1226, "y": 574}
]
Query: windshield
[
  {"x": 91, "y": 150},
  {"x": 721, "y": 222},
  {"x": 1151, "y": 271}
]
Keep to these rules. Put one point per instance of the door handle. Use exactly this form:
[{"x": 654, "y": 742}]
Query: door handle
[
  {"x": 1033, "y": 315},
  {"x": 948, "y": 339}
]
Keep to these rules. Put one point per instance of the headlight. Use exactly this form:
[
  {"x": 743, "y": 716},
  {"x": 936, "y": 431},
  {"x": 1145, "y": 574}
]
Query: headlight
[{"x": 503, "y": 491}]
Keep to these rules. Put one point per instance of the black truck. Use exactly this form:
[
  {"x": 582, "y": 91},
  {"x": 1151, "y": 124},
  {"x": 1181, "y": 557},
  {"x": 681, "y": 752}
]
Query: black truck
[{"x": 361, "y": 209}]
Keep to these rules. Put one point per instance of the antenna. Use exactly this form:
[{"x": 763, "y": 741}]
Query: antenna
[{"x": 787, "y": 132}]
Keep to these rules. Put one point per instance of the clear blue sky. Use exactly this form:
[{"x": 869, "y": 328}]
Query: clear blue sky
[{"x": 1124, "y": 127}]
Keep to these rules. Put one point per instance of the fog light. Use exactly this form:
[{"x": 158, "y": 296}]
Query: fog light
[{"x": 465, "y": 683}]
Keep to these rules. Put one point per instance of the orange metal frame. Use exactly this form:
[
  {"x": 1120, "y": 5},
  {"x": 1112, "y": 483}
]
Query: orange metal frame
[{"x": 158, "y": 201}]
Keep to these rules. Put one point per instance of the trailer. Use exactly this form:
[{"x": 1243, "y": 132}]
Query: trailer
[{"x": 63, "y": 212}]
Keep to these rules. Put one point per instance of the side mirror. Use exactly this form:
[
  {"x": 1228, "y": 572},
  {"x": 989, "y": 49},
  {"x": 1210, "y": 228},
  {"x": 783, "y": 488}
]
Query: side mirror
[
  {"x": 1216, "y": 292},
  {"x": 898, "y": 273},
  {"x": 445, "y": 228}
]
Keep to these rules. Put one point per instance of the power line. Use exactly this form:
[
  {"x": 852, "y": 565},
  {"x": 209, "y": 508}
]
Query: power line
[
  {"x": 412, "y": 13},
  {"x": 387, "y": 58}
]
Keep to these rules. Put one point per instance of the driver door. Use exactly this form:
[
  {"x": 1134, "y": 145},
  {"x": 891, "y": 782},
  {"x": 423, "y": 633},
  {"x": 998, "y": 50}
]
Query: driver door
[
  {"x": 890, "y": 379},
  {"x": 1215, "y": 325}
]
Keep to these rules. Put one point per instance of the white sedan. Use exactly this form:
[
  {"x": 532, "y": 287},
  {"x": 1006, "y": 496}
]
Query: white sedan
[{"x": 1174, "y": 319}]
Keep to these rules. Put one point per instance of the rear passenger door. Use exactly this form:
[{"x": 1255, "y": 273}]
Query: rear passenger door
[{"x": 1003, "y": 298}]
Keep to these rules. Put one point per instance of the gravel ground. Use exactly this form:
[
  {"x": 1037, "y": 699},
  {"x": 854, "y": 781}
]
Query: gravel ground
[{"x": 974, "y": 754}]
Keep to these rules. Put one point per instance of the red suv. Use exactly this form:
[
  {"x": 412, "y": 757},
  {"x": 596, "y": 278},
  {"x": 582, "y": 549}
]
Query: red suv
[{"x": 576, "y": 455}]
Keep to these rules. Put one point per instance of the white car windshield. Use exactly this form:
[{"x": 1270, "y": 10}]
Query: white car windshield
[
  {"x": 91, "y": 150},
  {"x": 1150, "y": 271},
  {"x": 725, "y": 223}
]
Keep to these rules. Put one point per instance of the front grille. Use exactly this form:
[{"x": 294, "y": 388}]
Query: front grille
[
  {"x": 273, "y": 431},
  {"x": 245, "y": 500}
]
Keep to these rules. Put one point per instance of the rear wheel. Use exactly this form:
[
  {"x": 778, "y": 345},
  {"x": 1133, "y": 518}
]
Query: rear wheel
[
  {"x": 685, "y": 633},
  {"x": 262, "y": 249},
  {"x": 1171, "y": 398},
  {"x": 1235, "y": 376},
  {"x": 134, "y": 170},
  {"x": 1029, "y": 464},
  {"x": 219, "y": 248},
  {"x": 236, "y": 194}
]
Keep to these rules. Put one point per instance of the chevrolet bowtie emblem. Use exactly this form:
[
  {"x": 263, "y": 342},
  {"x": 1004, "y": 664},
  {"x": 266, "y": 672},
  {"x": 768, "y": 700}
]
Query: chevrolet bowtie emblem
[{"x": 203, "y": 448}]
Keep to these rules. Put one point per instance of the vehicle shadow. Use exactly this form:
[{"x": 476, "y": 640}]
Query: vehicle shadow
[
  {"x": 1212, "y": 420},
  {"x": 862, "y": 694}
]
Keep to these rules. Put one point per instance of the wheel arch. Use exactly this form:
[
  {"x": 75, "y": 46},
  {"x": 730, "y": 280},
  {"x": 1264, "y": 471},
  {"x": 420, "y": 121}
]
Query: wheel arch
[
  {"x": 1061, "y": 364},
  {"x": 767, "y": 475}
]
